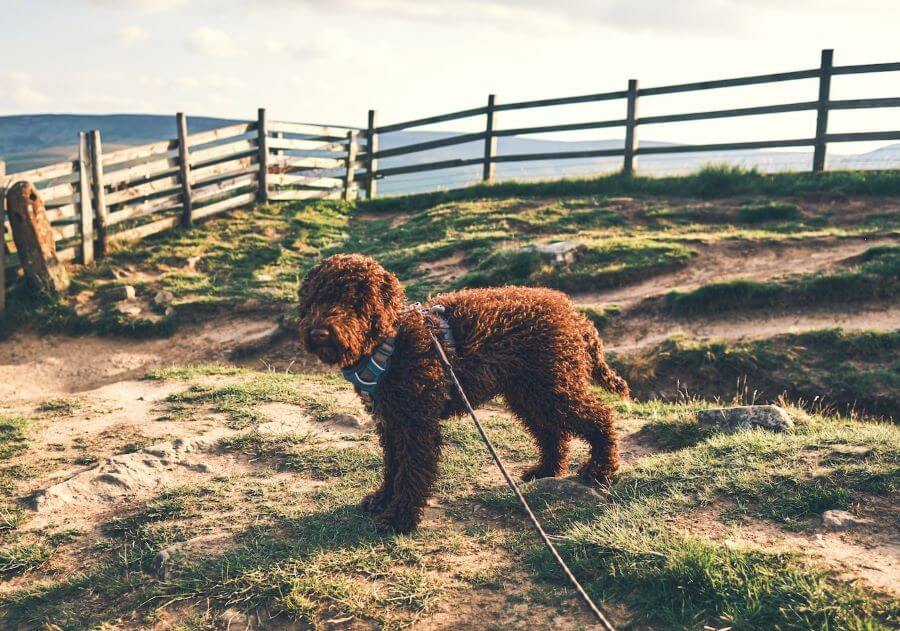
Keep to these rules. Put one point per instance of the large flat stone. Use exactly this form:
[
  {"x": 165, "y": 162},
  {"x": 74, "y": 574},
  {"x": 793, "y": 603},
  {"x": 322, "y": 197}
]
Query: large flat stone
[{"x": 746, "y": 417}]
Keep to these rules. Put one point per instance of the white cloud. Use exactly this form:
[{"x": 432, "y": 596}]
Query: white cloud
[
  {"x": 214, "y": 43},
  {"x": 130, "y": 35},
  {"x": 22, "y": 92}
]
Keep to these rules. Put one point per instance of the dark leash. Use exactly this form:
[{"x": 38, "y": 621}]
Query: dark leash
[{"x": 534, "y": 520}]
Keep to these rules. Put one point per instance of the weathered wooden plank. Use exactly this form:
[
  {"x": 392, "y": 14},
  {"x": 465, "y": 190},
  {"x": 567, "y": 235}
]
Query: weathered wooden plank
[
  {"x": 57, "y": 191},
  {"x": 294, "y": 195},
  {"x": 233, "y": 149},
  {"x": 222, "y": 169},
  {"x": 147, "y": 207},
  {"x": 226, "y": 204},
  {"x": 49, "y": 172},
  {"x": 146, "y": 170},
  {"x": 741, "y": 111},
  {"x": 262, "y": 130},
  {"x": 203, "y": 137},
  {"x": 566, "y": 100},
  {"x": 61, "y": 213},
  {"x": 372, "y": 156},
  {"x": 440, "y": 118},
  {"x": 296, "y": 162},
  {"x": 304, "y": 129},
  {"x": 731, "y": 83},
  {"x": 136, "y": 153},
  {"x": 142, "y": 190},
  {"x": 857, "y": 104},
  {"x": 99, "y": 191},
  {"x": 863, "y": 136},
  {"x": 431, "y": 144},
  {"x": 224, "y": 186},
  {"x": 728, "y": 146},
  {"x": 184, "y": 169},
  {"x": 630, "y": 128},
  {"x": 427, "y": 166},
  {"x": 85, "y": 212},
  {"x": 142, "y": 232},
  {"x": 520, "y": 131},
  {"x": 287, "y": 179},
  {"x": 490, "y": 142},
  {"x": 348, "y": 183},
  {"x": 866, "y": 68},
  {"x": 822, "y": 111},
  {"x": 297, "y": 144}
]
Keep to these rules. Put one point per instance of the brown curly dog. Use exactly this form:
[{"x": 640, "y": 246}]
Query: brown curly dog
[{"x": 530, "y": 345}]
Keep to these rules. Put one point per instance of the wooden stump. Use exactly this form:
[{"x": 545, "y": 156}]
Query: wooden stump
[{"x": 34, "y": 238}]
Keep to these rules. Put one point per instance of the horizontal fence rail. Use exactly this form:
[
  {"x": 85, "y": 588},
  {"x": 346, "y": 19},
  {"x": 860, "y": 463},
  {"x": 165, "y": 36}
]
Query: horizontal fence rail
[
  {"x": 101, "y": 198},
  {"x": 631, "y": 121}
]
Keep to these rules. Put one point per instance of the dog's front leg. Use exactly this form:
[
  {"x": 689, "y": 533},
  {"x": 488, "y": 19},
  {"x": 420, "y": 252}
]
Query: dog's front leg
[
  {"x": 415, "y": 449},
  {"x": 377, "y": 501}
]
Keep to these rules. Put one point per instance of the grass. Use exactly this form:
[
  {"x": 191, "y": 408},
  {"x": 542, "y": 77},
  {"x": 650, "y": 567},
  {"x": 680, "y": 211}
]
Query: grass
[
  {"x": 13, "y": 436},
  {"x": 828, "y": 369},
  {"x": 874, "y": 276},
  {"x": 301, "y": 549}
]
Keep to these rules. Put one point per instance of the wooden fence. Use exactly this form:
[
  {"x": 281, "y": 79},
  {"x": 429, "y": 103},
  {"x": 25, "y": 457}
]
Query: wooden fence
[
  {"x": 128, "y": 194},
  {"x": 631, "y": 121},
  {"x": 105, "y": 197}
]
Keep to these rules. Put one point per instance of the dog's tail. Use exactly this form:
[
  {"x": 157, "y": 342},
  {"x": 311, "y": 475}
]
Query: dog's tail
[{"x": 603, "y": 374}]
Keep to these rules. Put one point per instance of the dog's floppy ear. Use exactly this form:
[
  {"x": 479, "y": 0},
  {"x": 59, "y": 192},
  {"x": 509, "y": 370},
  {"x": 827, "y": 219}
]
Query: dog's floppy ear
[{"x": 392, "y": 297}]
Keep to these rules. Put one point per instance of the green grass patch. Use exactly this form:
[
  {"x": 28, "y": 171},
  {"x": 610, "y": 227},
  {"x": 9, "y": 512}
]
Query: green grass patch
[
  {"x": 13, "y": 436},
  {"x": 768, "y": 212},
  {"x": 822, "y": 370},
  {"x": 876, "y": 276}
]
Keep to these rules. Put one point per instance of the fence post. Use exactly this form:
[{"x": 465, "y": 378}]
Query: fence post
[
  {"x": 822, "y": 112},
  {"x": 371, "y": 161},
  {"x": 99, "y": 191},
  {"x": 84, "y": 206},
  {"x": 490, "y": 142},
  {"x": 184, "y": 164},
  {"x": 2, "y": 240},
  {"x": 631, "y": 141},
  {"x": 263, "y": 142},
  {"x": 351, "y": 165}
]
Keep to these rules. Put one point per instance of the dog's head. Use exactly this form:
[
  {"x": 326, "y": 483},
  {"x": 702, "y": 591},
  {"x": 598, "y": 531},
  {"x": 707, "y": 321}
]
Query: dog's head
[{"x": 348, "y": 305}]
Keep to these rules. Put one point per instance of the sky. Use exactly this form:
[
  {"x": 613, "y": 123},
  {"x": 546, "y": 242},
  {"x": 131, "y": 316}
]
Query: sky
[{"x": 329, "y": 61}]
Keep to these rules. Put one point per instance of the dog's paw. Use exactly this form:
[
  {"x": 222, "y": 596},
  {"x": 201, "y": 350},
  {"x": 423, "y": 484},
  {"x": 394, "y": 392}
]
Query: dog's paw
[
  {"x": 598, "y": 476},
  {"x": 396, "y": 522},
  {"x": 374, "y": 502},
  {"x": 536, "y": 472}
]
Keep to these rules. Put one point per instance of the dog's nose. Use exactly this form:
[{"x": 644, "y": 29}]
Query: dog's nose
[{"x": 319, "y": 336}]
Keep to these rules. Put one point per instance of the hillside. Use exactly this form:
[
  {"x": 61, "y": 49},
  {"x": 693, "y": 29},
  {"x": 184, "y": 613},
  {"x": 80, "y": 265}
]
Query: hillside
[{"x": 198, "y": 476}]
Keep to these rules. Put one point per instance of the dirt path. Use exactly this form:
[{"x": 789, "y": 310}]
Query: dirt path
[
  {"x": 729, "y": 260},
  {"x": 639, "y": 331}
]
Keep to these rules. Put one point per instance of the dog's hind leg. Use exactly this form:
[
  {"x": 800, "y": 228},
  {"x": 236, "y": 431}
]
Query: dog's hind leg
[
  {"x": 553, "y": 444},
  {"x": 584, "y": 415}
]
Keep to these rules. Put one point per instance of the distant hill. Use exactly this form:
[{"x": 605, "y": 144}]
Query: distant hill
[{"x": 30, "y": 141}]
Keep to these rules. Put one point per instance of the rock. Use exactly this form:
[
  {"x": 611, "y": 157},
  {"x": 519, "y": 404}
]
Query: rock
[
  {"x": 564, "y": 488},
  {"x": 347, "y": 420},
  {"x": 117, "y": 293},
  {"x": 162, "y": 301},
  {"x": 737, "y": 419},
  {"x": 162, "y": 564},
  {"x": 559, "y": 253},
  {"x": 169, "y": 312},
  {"x": 850, "y": 451},
  {"x": 129, "y": 308},
  {"x": 840, "y": 520}
]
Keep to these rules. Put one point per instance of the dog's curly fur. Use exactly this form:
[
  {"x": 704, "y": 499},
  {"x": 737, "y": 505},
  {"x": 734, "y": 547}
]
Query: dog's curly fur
[{"x": 530, "y": 345}]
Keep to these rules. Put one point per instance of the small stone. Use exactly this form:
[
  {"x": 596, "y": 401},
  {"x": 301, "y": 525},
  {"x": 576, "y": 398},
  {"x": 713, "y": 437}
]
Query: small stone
[
  {"x": 162, "y": 300},
  {"x": 559, "y": 253},
  {"x": 117, "y": 293},
  {"x": 162, "y": 564},
  {"x": 840, "y": 520},
  {"x": 129, "y": 308},
  {"x": 169, "y": 312},
  {"x": 564, "y": 488},
  {"x": 347, "y": 420},
  {"x": 743, "y": 418}
]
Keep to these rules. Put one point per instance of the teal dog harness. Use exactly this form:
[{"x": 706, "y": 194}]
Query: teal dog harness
[{"x": 368, "y": 371}]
